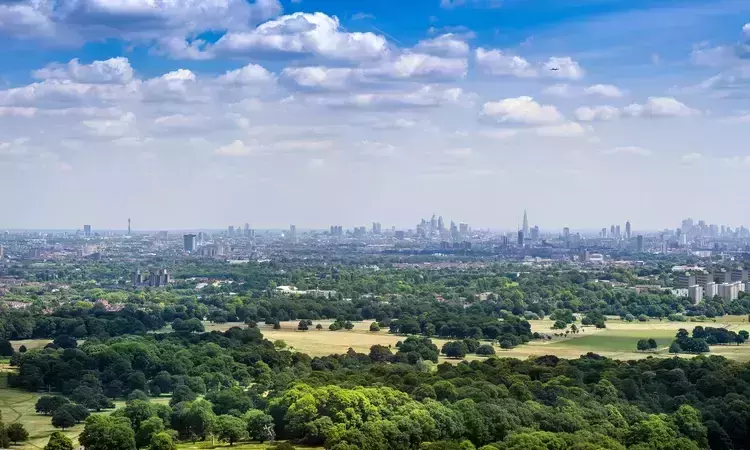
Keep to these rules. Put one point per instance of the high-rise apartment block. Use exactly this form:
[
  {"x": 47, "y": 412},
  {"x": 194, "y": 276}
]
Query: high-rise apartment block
[{"x": 190, "y": 243}]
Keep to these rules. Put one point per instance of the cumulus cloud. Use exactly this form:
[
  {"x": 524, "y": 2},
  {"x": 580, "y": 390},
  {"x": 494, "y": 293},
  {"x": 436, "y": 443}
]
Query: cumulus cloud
[
  {"x": 113, "y": 128},
  {"x": 629, "y": 150},
  {"x": 657, "y": 107},
  {"x": 236, "y": 148},
  {"x": 523, "y": 110},
  {"x": 304, "y": 35},
  {"x": 250, "y": 74},
  {"x": 746, "y": 29},
  {"x": 174, "y": 86},
  {"x": 448, "y": 45},
  {"x": 496, "y": 62},
  {"x": 590, "y": 114},
  {"x": 603, "y": 90},
  {"x": 563, "y": 67},
  {"x": 425, "y": 97},
  {"x": 113, "y": 70}
]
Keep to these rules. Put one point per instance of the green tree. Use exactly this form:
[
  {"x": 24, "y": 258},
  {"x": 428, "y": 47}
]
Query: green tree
[
  {"x": 162, "y": 441},
  {"x": 454, "y": 349},
  {"x": 48, "y": 404},
  {"x": 230, "y": 429},
  {"x": 260, "y": 426},
  {"x": 652, "y": 344},
  {"x": 182, "y": 393},
  {"x": 17, "y": 433},
  {"x": 374, "y": 327},
  {"x": 674, "y": 347},
  {"x": 302, "y": 326},
  {"x": 380, "y": 353},
  {"x": 642, "y": 345},
  {"x": 149, "y": 428},
  {"x": 690, "y": 423},
  {"x": 63, "y": 419},
  {"x": 6, "y": 348},
  {"x": 485, "y": 350},
  {"x": 58, "y": 441},
  {"x": 107, "y": 433}
]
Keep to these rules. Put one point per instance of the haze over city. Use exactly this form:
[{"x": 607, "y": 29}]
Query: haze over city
[{"x": 320, "y": 112}]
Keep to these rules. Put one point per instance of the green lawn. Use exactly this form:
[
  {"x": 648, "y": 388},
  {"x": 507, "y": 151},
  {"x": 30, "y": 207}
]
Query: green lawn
[{"x": 619, "y": 340}]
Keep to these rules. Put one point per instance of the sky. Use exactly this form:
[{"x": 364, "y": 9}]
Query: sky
[{"x": 184, "y": 114}]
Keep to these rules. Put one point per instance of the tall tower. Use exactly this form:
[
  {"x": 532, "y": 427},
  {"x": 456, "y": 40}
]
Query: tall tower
[
  {"x": 525, "y": 228},
  {"x": 627, "y": 230},
  {"x": 128, "y": 226}
]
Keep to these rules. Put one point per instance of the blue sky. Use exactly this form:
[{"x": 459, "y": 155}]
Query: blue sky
[{"x": 190, "y": 113}]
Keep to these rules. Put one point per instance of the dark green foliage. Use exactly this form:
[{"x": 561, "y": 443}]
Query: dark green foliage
[
  {"x": 107, "y": 433},
  {"x": 454, "y": 349},
  {"x": 63, "y": 419},
  {"x": 485, "y": 350},
  {"x": 48, "y": 404},
  {"x": 6, "y": 348},
  {"x": 17, "y": 433},
  {"x": 162, "y": 441},
  {"x": 230, "y": 429}
]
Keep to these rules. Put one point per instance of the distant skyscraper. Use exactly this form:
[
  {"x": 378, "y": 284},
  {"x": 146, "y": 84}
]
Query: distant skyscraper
[
  {"x": 376, "y": 228},
  {"x": 627, "y": 230},
  {"x": 520, "y": 238},
  {"x": 535, "y": 233},
  {"x": 617, "y": 232},
  {"x": 525, "y": 227},
  {"x": 247, "y": 229},
  {"x": 612, "y": 231},
  {"x": 566, "y": 233},
  {"x": 128, "y": 226},
  {"x": 463, "y": 228},
  {"x": 441, "y": 224},
  {"x": 230, "y": 230},
  {"x": 190, "y": 243},
  {"x": 433, "y": 224},
  {"x": 87, "y": 230},
  {"x": 292, "y": 232},
  {"x": 639, "y": 244}
]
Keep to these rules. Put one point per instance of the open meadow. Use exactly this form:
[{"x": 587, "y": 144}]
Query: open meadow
[{"x": 617, "y": 341}]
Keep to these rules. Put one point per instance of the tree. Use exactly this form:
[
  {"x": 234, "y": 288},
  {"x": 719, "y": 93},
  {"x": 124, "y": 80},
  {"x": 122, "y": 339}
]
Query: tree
[
  {"x": 674, "y": 347},
  {"x": 318, "y": 327},
  {"x": 559, "y": 325},
  {"x": 6, "y": 348},
  {"x": 374, "y": 327},
  {"x": 277, "y": 325},
  {"x": 162, "y": 441},
  {"x": 63, "y": 419},
  {"x": 302, "y": 325},
  {"x": 107, "y": 433},
  {"x": 182, "y": 393},
  {"x": 22, "y": 349},
  {"x": 454, "y": 349},
  {"x": 65, "y": 341},
  {"x": 17, "y": 433},
  {"x": 58, "y": 441},
  {"x": 137, "y": 395},
  {"x": 149, "y": 428},
  {"x": 380, "y": 353},
  {"x": 230, "y": 429},
  {"x": 79, "y": 413},
  {"x": 48, "y": 404},
  {"x": 485, "y": 350},
  {"x": 348, "y": 325},
  {"x": 642, "y": 345},
  {"x": 260, "y": 426},
  {"x": 652, "y": 344}
]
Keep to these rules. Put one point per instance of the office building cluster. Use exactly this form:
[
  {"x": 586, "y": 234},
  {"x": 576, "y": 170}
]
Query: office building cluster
[
  {"x": 154, "y": 278},
  {"x": 709, "y": 284}
]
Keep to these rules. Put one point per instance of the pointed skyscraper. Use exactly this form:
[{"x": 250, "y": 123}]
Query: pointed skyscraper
[{"x": 525, "y": 228}]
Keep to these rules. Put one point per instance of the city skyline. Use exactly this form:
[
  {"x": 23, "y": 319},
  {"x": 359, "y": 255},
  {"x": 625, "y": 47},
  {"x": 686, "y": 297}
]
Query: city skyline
[{"x": 336, "y": 113}]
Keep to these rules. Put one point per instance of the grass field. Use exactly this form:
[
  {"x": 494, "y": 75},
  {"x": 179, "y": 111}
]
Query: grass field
[
  {"x": 617, "y": 341},
  {"x": 18, "y": 406}
]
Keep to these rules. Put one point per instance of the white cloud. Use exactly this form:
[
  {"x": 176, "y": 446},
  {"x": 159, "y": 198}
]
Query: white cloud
[
  {"x": 589, "y": 114},
  {"x": 604, "y": 90},
  {"x": 522, "y": 110},
  {"x": 691, "y": 157},
  {"x": 174, "y": 86},
  {"x": 495, "y": 62},
  {"x": 250, "y": 74},
  {"x": 303, "y": 34},
  {"x": 113, "y": 128},
  {"x": 426, "y": 96},
  {"x": 563, "y": 67},
  {"x": 113, "y": 70},
  {"x": 181, "y": 122},
  {"x": 660, "y": 107},
  {"x": 236, "y": 148},
  {"x": 6, "y": 111},
  {"x": 448, "y": 45},
  {"x": 64, "y": 93},
  {"x": 629, "y": 150},
  {"x": 321, "y": 77},
  {"x": 746, "y": 29},
  {"x": 569, "y": 129}
]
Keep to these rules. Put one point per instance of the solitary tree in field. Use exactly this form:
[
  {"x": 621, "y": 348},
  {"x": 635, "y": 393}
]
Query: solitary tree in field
[
  {"x": 58, "y": 441},
  {"x": 652, "y": 344},
  {"x": 17, "y": 433},
  {"x": 642, "y": 345},
  {"x": 302, "y": 325},
  {"x": 374, "y": 327}
]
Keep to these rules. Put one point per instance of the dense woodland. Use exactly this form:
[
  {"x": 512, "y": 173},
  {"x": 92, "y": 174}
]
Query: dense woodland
[{"x": 236, "y": 386}]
